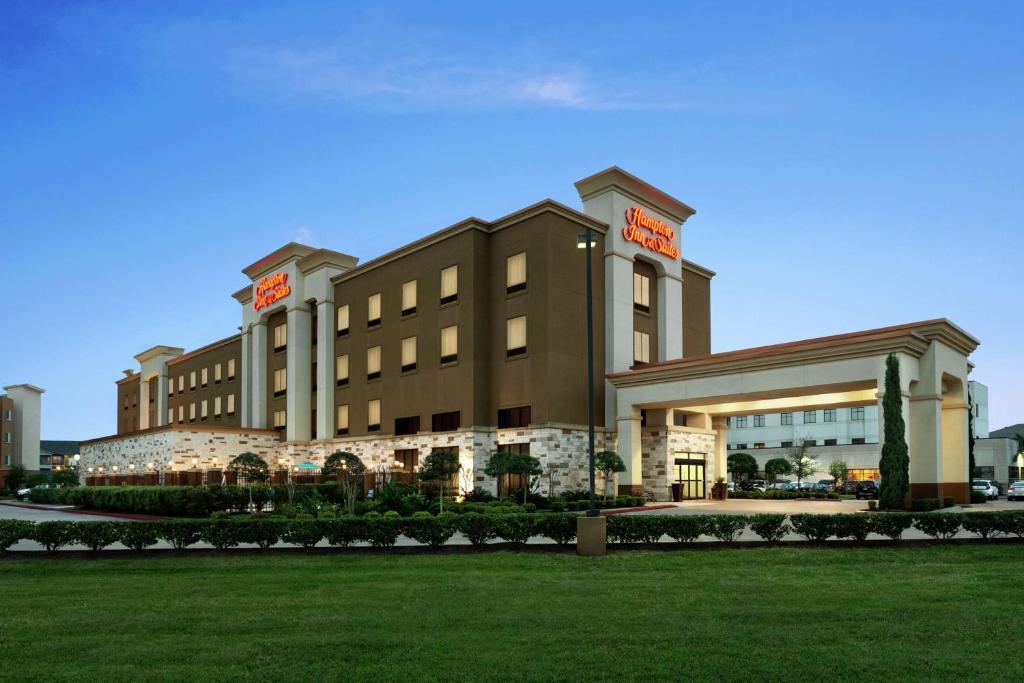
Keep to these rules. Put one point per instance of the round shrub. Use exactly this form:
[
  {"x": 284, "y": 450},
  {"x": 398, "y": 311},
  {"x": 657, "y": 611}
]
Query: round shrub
[
  {"x": 137, "y": 535},
  {"x": 12, "y": 531},
  {"x": 97, "y": 535},
  {"x": 686, "y": 528},
  {"x": 771, "y": 527},
  {"x": 55, "y": 535},
  {"x": 940, "y": 526}
]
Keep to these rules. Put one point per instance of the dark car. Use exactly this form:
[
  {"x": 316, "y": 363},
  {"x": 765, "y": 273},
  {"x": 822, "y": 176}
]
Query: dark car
[
  {"x": 850, "y": 486},
  {"x": 867, "y": 490}
]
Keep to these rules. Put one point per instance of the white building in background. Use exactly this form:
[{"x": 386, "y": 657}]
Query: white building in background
[{"x": 847, "y": 434}]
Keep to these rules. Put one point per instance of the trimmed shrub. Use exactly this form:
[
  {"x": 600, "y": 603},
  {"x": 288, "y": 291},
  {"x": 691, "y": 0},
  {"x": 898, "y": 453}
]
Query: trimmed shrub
[
  {"x": 891, "y": 524},
  {"x": 478, "y": 528},
  {"x": 815, "y": 528},
  {"x": 686, "y": 528},
  {"x": 941, "y": 526},
  {"x": 55, "y": 535},
  {"x": 138, "y": 535},
  {"x": 343, "y": 531},
  {"x": 515, "y": 528},
  {"x": 948, "y": 501},
  {"x": 97, "y": 535},
  {"x": 854, "y": 526},
  {"x": 12, "y": 531},
  {"x": 978, "y": 497},
  {"x": 424, "y": 528},
  {"x": 770, "y": 526},
  {"x": 264, "y": 532},
  {"x": 925, "y": 504},
  {"x": 727, "y": 528},
  {"x": 559, "y": 527},
  {"x": 1010, "y": 522},
  {"x": 180, "y": 533},
  {"x": 981, "y": 523},
  {"x": 636, "y": 529},
  {"x": 304, "y": 530},
  {"x": 220, "y": 533},
  {"x": 382, "y": 533}
]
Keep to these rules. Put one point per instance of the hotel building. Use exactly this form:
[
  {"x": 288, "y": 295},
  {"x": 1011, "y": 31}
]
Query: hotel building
[{"x": 473, "y": 339}]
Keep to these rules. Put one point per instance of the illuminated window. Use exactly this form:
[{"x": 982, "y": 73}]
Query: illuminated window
[
  {"x": 759, "y": 445},
  {"x": 787, "y": 419},
  {"x": 192, "y": 380},
  {"x": 204, "y": 409},
  {"x": 862, "y": 474},
  {"x": 373, "y": 310},
  {"x": 641, "y": 347},
  {"x": 449, "y": 284},
  {"x": 409, "y": 297},
  {"x": 231, "y": 369},
  {"x": 341, "y": 370},
  {"x": 204, "y": 377},
  {"x": 216, "y": 406},
  {"x": 641, "y": 292},
  {"x": 759, "y": 422},
  {"x": 373, "y": 415},
  {"x": 342, "y": 426},
  {"x": 450, "y": 344},
  {"x": 280, "y": 382},
  {"x": 829, "y": 415},
  {"x": 170, "y": 415},
  {"x": 281, "y": 337},
  {"x": 342, "y": 320},
  {"x": 217, "y": 376},
  {"x": 280, "y": 419},
  {"x": 231, "y": 404},
  {"x": 515, "y": 337},
  {"x": 181, "y": 414},
  {"x": 810, "y": 416},
  {"x": 170, "y": 387},
  {"x": 857, "y": 414},
  {"x": 181, "y": 383},
  {"x": 408, "y": 354},
  {"x": 191, "y": 412},
  {"x": 515, "y": 273},
  {"x": 373, "y": 362}
]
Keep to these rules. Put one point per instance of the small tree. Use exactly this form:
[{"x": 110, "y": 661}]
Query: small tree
[
  {"x": 742, "y": 464},
  {"x": 527, "y": 467},
  {"x": 498, "y": 465},
  {"x": 251, "y": 468},
  {"x": 608, "y": 463},
  {"x": 894, "y": 465},
  {"x": 440, "y": 466},
  {"x": 802, "y": 464},
  {"x": 351, "y": 473},
  {"x": 15, "y": 478},
  {"x": 776, "y": 467},
  {"x": 838, "y": 470}
]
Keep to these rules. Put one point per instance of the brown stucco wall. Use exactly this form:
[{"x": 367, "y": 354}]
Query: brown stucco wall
[
  {"x": 207, "y": 357},
  {"x": 696, "y": 312}
]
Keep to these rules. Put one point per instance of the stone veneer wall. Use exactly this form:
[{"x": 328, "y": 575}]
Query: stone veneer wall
[
  {"x": 659, "y": 446},
  {"x": 178, "y": 446}
]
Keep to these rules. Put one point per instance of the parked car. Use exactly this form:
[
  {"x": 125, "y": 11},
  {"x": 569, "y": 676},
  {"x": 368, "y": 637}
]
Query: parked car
[
  {"x": 826, "y": 485},
  {"x": 987, "y": 487},
  {"x": 731, "y": 486},
  {"x": 23, "y": 493},
  {"x": 867, "y": 490},
  {"x": 850, "y": 486},
  {"x": 754, "y": 485},
  {"x": 1015, "y": 491}
]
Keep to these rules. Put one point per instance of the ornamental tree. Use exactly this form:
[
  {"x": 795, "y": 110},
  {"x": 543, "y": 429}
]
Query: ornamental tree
[
  {"x": 742, "y": 464},
  {"x": 498, "y": 465},
  {"x": 250, "y": 467},
  {"x": 608, "y": 463},
  {"x": 894, "y": 465},
  {"x": 350, "y": 471},
  {"x": 440, "y": 466},
  {"x": 527, "y": 467},
  {"x": 803, "y": 464},
  {"x": 776, "y": 467},
  {"x": 838, "y": 469}
]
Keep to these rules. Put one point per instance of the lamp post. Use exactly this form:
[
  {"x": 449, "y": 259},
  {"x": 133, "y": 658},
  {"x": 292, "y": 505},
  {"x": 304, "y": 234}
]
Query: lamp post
[{"x": 586, "y": 240}]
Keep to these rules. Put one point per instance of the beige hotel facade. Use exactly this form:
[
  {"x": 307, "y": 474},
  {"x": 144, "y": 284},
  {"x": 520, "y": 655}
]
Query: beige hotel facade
[{"x": 473, "y": 339}]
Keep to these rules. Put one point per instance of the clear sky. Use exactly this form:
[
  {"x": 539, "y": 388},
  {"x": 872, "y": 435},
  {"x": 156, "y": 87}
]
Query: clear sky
[{"x": 853, "y": 165}]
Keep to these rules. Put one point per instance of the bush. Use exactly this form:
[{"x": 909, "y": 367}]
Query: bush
[
  {"x": 815, "y": 528},
  {"x": 343, "y": 531},
  {"x": 303, "y": 530},
  {"x": 941, "y": 526},
  {"x": 852, "y": 526},
  {"x": 97, "y": 535},
  {"x": 948, "y": 501},
  {"x": 559, "y": 505},
  {"x": 981, "y": 523},
  {"x": 891, "y": 524},
  {"x": 263, "y": 532},
  {"x": 1010, "y": 522},
  {"x": 686, "y": 528},
  {"x": 559, "y": 527},
  {"x": 925, "y": 504},
  {"x": 769, "y": 526},
  {"x": 515, "y": 528},
  {"x": 727, "y": 528},
  {"x": 978, "y": 497},
  {"x": 179, "y": 533},
  {"x": 220, "y": 533},
  {"x": 55, "y": 535},
  {"x": 137, "y": 535},
  {"x": 12, "y": 531},
  {"x": 477, "y": 527},
  {"x": 382, "y": 533},
  {"x": 637, "y": 529},
  {"x": 429, "y": 530}
]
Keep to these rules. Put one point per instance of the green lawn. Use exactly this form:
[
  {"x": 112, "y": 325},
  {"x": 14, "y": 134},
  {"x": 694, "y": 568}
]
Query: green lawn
[{"x": 938, "y": 612}]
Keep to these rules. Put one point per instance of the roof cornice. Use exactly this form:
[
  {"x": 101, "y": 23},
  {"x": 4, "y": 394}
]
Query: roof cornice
[
  {"x": 614, "y": 178},
  {"x": 203, "y": 349},
  {"x": 289, "y": 252},
  {"x": 157, "y": 351},
  {"x": 697, "y": 269}
]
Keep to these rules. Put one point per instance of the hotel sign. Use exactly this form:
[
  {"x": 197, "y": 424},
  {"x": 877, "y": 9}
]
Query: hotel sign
[
  {"x": 649, "y": 233},
  {"x": 271, "y": 289}
]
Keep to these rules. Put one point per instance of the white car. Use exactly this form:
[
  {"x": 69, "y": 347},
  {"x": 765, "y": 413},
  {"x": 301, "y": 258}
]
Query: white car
[
  {"x": 987, "y": 487},
  {"x": 1015, "y": 491}
]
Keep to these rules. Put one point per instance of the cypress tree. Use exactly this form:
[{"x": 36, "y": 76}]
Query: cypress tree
[
  {"x": 895, "y": 463},
  {"x": 970, "y": 437}
]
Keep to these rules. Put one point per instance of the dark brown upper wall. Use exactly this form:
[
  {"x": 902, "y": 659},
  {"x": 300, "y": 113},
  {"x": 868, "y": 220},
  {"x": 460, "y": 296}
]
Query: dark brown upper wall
[
  {"x": 696, "y": 310},
  {"x": 128, "y": 404},
  {"x": 6, "y": 449},
  {"x": 207, "y": 357}
]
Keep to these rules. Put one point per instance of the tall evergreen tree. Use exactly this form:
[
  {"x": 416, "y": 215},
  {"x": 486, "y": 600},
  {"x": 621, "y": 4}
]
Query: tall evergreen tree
[
  {"x": 970, "y": 437},
  {"x": 894, "y": 465}
]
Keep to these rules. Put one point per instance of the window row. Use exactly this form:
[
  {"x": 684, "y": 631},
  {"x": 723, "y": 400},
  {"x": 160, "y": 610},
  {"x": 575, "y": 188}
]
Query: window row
[
  {"x": 220, "y": 408},
  {"x": 202, "y": 378},
  {"x": 855, "y": 441},
  {"x": 508, "y": 418},
  {"x": 810, "y": 417}
]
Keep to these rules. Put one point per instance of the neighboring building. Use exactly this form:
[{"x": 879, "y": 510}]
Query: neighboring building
[
  {"x": 57, "y": 455},
  {"x": 1010, "y": 432},
  {"x": 473, "y": 339},
  {"x": 19, "y": 427}
]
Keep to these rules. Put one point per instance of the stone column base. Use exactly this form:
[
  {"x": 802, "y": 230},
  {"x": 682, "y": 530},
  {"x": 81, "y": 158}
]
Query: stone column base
[
  {"x": 631, "y": 490},
  {"x": 591, "y": 536}
]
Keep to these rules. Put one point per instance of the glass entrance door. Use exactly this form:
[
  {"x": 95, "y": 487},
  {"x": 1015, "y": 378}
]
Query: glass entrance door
[{"x": 689, "y": 471}]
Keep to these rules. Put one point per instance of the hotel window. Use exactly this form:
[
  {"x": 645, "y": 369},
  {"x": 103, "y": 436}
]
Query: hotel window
[
  {"x": 514, "y": 418},
  {"x": 342, "y": 426},
  {"x": 204, "y": 377},
  {"x": 831, "y": 442},
  {"x": 216, "y": 406},
  {"x": 829, "y": 415},
  {"x": 231, "y": 404},
  {"x": 181, "y": 414},
  {"x": 181, "y": 383},
  {"x": 787, "y": 419},
  {"x": 515, "y": 273},
  {"x": 862, "y": 475},
  {"x": 191, "y": 412},
  {"x": 217, "y": 373},
  {"x": 7, "y": 437},
  {"x": 445, "y": 422},
  {"x": 641, "y": 347},
  {"x": 170, "y": 415},
  {"x": 126, "y": 401},
  {"x": 741, "y": 446},
  {"x": 7, "y": 461},
  {"x": 857, "y": 440},
  {"x": 759, "y": 422},
  {"x": 857, "y": 414},
  {"x": 515, "y": 337},
  {"x": 409, "y": 297},
  {"x": 641, "y": 293},
  {"x": 280, "y": 382},
  {"x": 741, "y": 421},
  {"x": 373, "y": 415},
  {"x": 204, "y": 409},
  {"x": 170, "y": 387},
  {"x": 786, "y": 444},
  {"x": 450, "y": 344},
  {"x": 810, "y": 442},
  {"x": 759, "y": 445},
  {"x": 280, "y": 419},
  {"x": 341, "y": 370},
  {"x": 373, "y": 310},
  {"x": 231, "y": 369},
  {"x": 407, "y": 425},
  {"x": 373, "y": 362},
  {"x": 135, "y": 399},
  {"x": 408, "y": 354},
  {"x": 342, "y": 320},
  {"x": 406, "y": 462},
  {"x": 281, "y": 337},
  {"x": 810, "y": 416},
  {"x": 449, "y": 284},
  {"x": 8, "y": 415},
  {"x": 192, "y": 381}
]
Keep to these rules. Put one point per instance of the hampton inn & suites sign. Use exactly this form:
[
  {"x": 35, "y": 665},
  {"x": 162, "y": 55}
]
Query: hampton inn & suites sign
[{"x": 649, "y": 232}]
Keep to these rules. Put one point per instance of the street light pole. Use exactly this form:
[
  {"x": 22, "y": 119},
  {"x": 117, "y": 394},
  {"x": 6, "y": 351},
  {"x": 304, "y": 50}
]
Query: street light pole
[{"x": 587, "y": 239}]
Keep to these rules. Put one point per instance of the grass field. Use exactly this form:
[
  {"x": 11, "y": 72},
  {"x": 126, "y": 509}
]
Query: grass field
[{"x": 934, "y": 613}]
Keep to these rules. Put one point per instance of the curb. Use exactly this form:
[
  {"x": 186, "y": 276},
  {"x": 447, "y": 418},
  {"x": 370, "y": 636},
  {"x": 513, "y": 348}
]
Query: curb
[{"x": 76, "y": 511}]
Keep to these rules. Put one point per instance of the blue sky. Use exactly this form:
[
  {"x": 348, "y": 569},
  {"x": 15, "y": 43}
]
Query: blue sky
[{"x": 852, "y": 164}]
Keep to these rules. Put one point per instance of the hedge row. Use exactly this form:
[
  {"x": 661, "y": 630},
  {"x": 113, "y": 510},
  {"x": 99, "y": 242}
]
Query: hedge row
[
  {"x": 781, "y": 495},
  {"x": 383, "y": 531}
]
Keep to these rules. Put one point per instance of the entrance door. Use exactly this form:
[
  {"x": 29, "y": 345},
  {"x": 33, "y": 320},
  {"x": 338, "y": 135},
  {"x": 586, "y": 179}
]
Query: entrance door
[{"x": 689, "y": 470}]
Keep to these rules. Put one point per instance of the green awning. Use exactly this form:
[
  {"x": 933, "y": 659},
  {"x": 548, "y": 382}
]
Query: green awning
[{"x": 308, "y": 466}]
